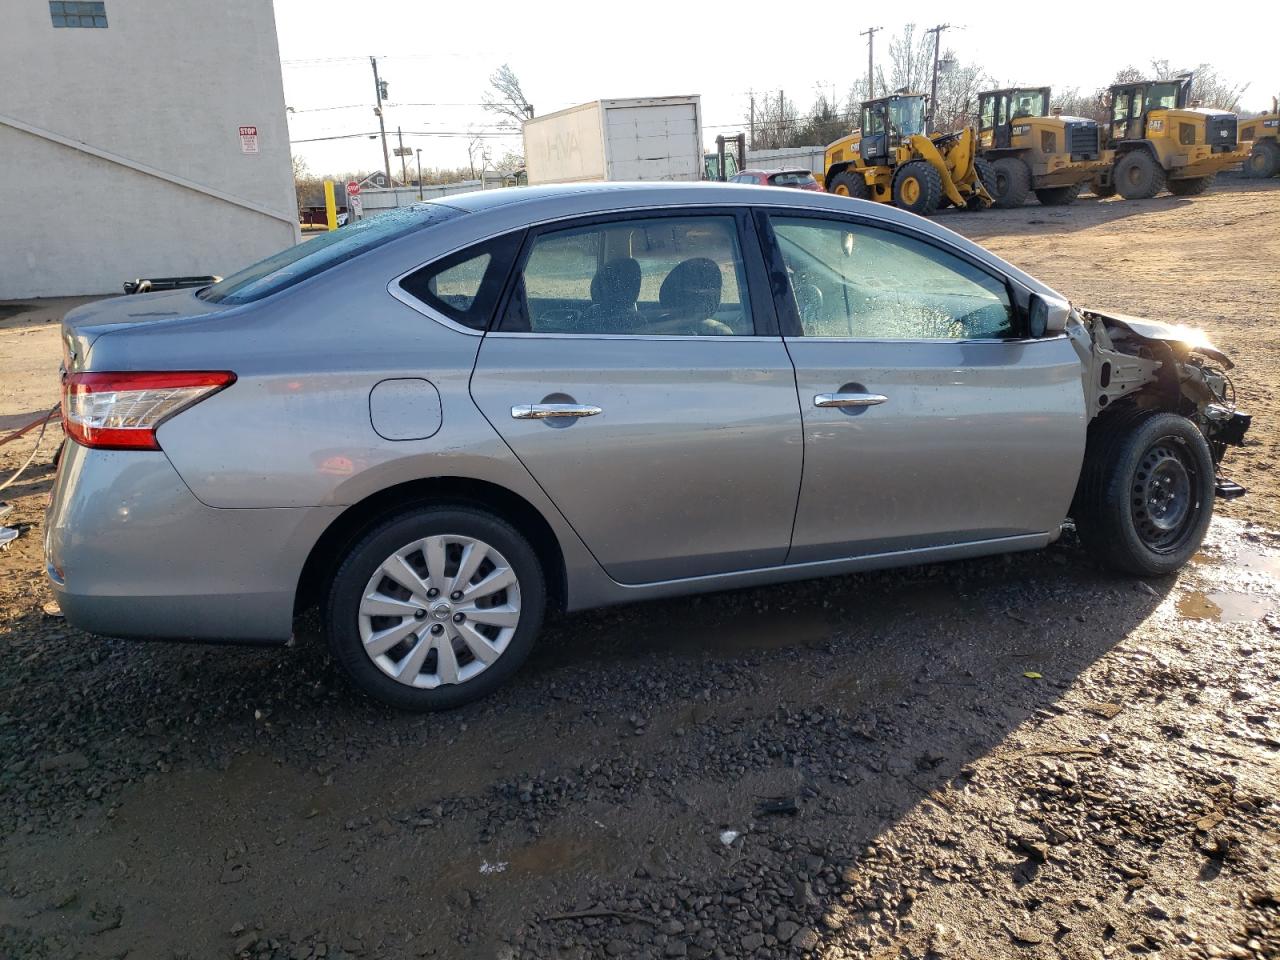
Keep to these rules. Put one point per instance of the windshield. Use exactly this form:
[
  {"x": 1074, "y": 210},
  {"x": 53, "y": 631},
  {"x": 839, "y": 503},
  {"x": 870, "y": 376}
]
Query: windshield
[
  {"x": 1028, "y": 103},
  {"x": 906, "y": 115},
  {"x": 310, "y": 257}
]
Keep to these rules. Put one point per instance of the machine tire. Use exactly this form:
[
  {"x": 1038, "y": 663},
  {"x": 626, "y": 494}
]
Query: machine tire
[
  {"x": 1263, "y": 160},
  {"x": 847, "y": 184},
  {"x": 925, "y": 196},
  {"x": 1138, "y": 176},
  {"x": 1131, "y": 458},
  {"x": 1058, "y": 196},
  {"x": 1012, "y": 182},
  {"x": 1102, "y": 190},
  {"x": 987, "y": 177},
  {"x": 1189, "y": 186},
  {"x": 347, "y": 591}
]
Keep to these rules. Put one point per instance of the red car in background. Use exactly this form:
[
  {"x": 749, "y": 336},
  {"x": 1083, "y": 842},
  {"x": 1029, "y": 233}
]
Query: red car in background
[{"x": 800, "y": 179}]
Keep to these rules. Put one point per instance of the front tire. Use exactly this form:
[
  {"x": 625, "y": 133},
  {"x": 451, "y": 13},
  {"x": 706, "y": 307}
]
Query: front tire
[
  {"x": 917, "y": 188},
  {"x": 1145, "y": 496},
  {"x": 1012, "y": 182},
  {"x": 1138, "y": 176},
  {"x": 1189, "y": 186},
  {"x": 435, "y": 607},
  {"x": 1058, "y": 196}
]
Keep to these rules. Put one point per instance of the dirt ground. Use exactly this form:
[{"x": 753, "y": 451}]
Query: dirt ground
[{"x": 1010, "y": 757}]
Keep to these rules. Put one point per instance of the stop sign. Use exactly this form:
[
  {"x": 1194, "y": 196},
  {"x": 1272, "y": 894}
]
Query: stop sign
[{"x": 353, "y": 189}]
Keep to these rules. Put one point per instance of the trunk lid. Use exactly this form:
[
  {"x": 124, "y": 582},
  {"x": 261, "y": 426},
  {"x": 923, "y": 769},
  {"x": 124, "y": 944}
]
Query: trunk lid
[{"x": 83, "y": 325}]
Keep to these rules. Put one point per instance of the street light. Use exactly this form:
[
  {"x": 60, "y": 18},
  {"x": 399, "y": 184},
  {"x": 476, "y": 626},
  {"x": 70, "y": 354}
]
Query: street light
[{"x": 420, "y": 197}]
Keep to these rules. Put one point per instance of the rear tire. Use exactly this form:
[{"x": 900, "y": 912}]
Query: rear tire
[
  {"x": 1138, "y": 176},
  {"x": 917, "y": 188},
  {"x": 1189, "y": 186},
  {"x": 1058, "y": 196},
  {"x": 1263, "y": 160},
  {"x": 427, "y": 549},
  {"x": 847, "y": 184},
  {"x": 1012, "y": 182},
  {"x": 1145, "y": 496}
]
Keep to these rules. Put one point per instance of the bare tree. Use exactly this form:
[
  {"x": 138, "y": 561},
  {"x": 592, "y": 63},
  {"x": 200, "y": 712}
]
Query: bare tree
[
  {"x": 1208, "y": 86},
  {"x": 911, "y": 58},
  {"x": 506, "y": 98},
  {"x": 776, "y": 120}
]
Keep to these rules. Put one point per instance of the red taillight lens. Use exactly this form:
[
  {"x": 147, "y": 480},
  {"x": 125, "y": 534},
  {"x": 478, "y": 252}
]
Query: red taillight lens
[{"x": 121, "y": 411}]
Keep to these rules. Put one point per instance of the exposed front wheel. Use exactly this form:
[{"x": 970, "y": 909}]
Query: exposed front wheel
[
  {"x": 436, "y": 607},
  {"x": 1146, "y": 491},
  {"x": 1138, "y": 176},
  {"x": 917, "y": 188}
]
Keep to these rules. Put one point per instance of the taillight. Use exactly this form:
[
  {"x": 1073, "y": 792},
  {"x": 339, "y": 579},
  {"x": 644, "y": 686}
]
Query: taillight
[{"x": 122, "y": 411}]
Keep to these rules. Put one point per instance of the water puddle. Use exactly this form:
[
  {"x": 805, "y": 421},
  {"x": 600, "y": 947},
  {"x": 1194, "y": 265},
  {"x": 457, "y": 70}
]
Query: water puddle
[
  {"x": 1254, "y": 561},
  {"x": 1222, "y": 606}
]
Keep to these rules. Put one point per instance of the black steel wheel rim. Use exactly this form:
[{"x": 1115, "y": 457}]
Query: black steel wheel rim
[{"x": 1164, "y": 502}]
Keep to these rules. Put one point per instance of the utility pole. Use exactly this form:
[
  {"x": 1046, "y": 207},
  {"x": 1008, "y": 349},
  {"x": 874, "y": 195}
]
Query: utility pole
[
  {"x": 752, "y": 115},
  {"x": 420, "y": 173},
  {"x": 402, "y": 153},
  {"x": 933, "y": 90},
  {"x": 378, "y": 87},
  {"x": 870, "y": 34}
]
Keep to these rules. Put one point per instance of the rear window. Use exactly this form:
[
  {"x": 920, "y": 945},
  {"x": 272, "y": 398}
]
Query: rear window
[
  {"x": 311, "y": 257},
  {"x": 792, "y": 178}
]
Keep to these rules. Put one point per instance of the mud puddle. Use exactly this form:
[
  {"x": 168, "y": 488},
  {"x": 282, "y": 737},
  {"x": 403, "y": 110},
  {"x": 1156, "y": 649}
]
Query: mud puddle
[{"x": 1223, "y": 606}]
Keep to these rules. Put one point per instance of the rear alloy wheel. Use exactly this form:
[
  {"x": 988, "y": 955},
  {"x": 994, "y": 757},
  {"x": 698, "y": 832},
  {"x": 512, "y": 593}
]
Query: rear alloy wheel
[
  {"x": 1189, "y": 186},
  {"x": 850, "y": 184},
  {"x": 435, "y": 608},
  {"x": 917, "y": 188},
  {"x": 1146, "y": 491},
  {"x": 1263, "y": 160},
  {"x": 1138, "y": 176},
  {"x": 1012, "y": 182},
  {"x": 1058, "y": 196}
]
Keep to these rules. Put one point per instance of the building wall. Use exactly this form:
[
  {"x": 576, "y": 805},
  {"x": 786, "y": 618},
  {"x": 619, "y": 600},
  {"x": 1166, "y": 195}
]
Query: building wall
[{"x": 164, "y": 87}]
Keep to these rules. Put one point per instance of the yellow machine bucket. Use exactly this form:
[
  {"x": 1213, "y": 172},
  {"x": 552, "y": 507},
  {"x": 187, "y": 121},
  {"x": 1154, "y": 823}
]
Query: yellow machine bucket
[{"x": 954, "y": 163}]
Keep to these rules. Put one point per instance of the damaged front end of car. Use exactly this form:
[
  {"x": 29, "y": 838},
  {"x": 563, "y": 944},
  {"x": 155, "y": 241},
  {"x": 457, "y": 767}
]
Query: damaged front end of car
[{"x": 1151, "y": 365}]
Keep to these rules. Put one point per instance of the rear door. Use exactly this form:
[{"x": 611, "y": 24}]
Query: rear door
[
  {"x": 636, "y": 370},
  {"x": 929, "y": 419}
]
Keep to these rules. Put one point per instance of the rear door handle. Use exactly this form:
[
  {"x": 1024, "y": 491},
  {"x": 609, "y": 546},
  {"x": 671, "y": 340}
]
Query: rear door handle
[
  {"x": 848, "y": 399},
  {"x": 544, "y": 411}
]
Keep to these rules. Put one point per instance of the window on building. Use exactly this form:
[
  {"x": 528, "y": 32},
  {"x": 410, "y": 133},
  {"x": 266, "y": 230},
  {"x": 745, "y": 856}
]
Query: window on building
[{"x": 78, "y": 13}]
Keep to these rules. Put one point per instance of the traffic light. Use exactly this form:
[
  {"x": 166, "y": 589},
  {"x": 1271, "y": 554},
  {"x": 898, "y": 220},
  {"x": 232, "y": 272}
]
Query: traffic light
[{"x": 382, "y": 90}]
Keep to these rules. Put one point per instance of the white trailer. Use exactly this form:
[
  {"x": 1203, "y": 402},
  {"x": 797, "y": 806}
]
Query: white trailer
[{"x": 643, "y": 138}]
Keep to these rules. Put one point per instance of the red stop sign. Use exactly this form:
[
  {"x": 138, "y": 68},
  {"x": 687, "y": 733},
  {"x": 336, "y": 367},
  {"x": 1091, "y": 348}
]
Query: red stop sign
[{"x": 353, "y": 188}]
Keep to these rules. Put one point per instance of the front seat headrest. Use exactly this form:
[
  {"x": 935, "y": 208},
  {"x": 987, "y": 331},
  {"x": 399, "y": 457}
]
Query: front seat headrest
[
  {"x": 617, "y": 283},
  {"x": 692, "y": 288}
]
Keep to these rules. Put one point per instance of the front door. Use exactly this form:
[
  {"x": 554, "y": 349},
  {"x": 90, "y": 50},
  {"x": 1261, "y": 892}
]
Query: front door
[
  {"x": 929, "y": 419},
  {"x": 637, "y": 372}
]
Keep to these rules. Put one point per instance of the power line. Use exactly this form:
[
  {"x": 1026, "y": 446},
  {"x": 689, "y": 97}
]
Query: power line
[{"x": 486, "y": 134}]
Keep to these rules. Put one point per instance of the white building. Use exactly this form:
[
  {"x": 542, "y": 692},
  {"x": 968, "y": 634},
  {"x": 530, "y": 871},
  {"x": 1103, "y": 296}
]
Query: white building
[{"x": 139, "y": 139}]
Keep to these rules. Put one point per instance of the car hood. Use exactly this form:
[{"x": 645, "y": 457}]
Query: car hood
[
  {"x": 83, "y": 325},
  {"x": 1192, "y": 337}
]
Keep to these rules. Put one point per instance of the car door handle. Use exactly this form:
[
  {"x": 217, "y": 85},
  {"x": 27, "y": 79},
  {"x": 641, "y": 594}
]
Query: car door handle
[
  {"x": 543, "y": 411},
  {"x": 848, "y": 399}
]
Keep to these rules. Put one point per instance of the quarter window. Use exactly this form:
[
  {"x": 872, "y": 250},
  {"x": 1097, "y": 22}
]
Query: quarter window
[
  {"x": 666, "y": 276},
  {"x": 465, "y": 286},
  {"x": 861, "y": 282}
]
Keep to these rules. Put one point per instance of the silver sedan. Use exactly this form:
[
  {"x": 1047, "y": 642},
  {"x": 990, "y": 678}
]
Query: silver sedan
[{"x": 435, "y": 424}]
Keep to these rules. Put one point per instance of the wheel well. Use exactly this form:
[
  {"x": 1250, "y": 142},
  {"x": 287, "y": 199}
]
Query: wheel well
[
  {"x": 835, "y": 170},
  {"x": 328, "y": 552}
]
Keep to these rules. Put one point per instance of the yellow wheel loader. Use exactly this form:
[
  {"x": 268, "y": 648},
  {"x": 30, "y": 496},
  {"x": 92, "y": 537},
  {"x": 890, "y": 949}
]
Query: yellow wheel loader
[
  {"x": 890, "y": 159},
  {"x": 1262, "y": 133},
  {"x": 1030, "y": 150},
  {"x": 1159, "y": 142}
]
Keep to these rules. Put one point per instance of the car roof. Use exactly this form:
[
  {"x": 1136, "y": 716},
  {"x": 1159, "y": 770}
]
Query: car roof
[{"x": 776, "y": 171}]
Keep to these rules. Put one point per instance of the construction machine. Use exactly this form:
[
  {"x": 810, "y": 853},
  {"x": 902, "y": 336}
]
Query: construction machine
[
  {"x": 1160, "y": 142},
  {"x": 1031, "y": 149},
  {"x": 1262, "y": 133},
  {"x": 890, "y": 159}
]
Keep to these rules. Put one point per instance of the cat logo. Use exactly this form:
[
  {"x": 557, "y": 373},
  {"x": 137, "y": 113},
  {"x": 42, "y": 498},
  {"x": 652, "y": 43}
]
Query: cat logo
[
  {"x": 1021, "y": 129},
  {"x": 1157, "y": 124}
]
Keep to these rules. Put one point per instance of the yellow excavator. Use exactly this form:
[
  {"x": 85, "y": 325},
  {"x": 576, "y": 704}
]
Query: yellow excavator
[
  {"x": 1160, "y": 142},
  {"x": 1262, "y": 132},
  {"x": 890, "y": 159},
  {"x": 1030, "y": 149}
]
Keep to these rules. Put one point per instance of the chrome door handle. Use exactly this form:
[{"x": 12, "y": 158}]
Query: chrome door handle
[
  {"x": 543, "y": 411},
  {"x": 848, "y": 399}
]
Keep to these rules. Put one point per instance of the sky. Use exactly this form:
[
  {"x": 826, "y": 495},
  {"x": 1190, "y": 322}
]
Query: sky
[{"x": 437, "y": 58}]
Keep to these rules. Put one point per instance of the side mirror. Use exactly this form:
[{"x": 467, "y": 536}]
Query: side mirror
[{"x": 1046, "y": 315}]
